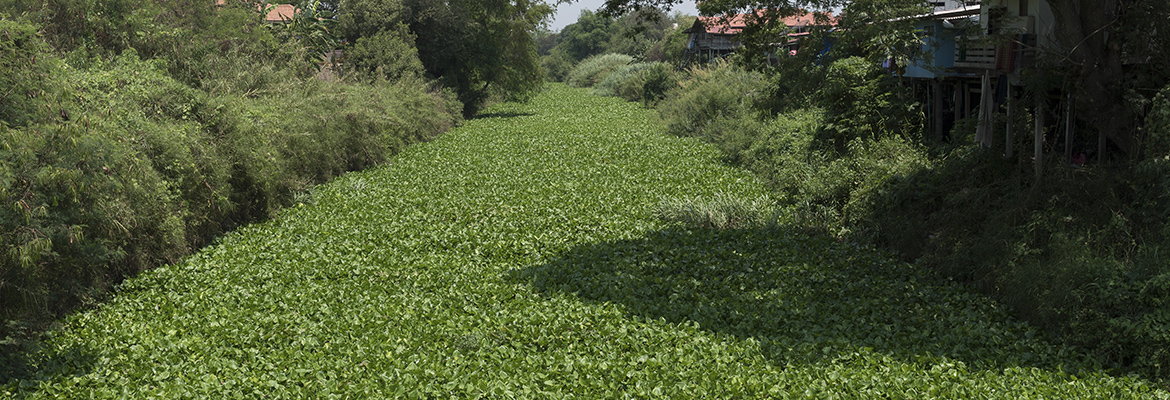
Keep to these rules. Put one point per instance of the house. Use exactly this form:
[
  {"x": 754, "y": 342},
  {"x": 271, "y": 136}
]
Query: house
[
  {"x": 976, "y": 55},
  {"x": 715, "y": 37}
]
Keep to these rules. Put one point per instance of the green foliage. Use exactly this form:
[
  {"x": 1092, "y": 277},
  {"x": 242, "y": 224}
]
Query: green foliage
[
  {"x": 386, "y": 55},
  {"x": 643, "y": 82},
  {"x": 480, "y": 49},
  {"x": 24, "y": 80},
  {"x": 710, "y": 94},
  {"x": 128, "y": 168},
  {"x": 1080, "y": 253},
  {"x": 860, "y": 102},
  {"x": 588, "y": 37},
  {"x": 1066, "y": 253},
  {"x": 671, "y": 48},
  {"x": 109, "y": 25},
  {"x": 556, "y": 66},
  {"x": 592, "y": 70},
  {"x": 645, "y": 35},
  {"x": 519, "y": 256},
  {"x": 315, "y": 28}
]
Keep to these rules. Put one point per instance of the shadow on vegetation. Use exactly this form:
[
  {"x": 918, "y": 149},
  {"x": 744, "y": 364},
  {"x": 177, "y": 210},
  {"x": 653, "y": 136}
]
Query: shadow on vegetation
[
  {"x": 18, "y": 365},
  {"x": 501, "y": 115},
  {"x": 804, "y": 299},
  {"x": 1080, "y": 253}
]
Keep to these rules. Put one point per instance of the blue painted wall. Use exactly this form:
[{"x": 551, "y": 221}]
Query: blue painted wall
[{"x": 941, "y": 44}]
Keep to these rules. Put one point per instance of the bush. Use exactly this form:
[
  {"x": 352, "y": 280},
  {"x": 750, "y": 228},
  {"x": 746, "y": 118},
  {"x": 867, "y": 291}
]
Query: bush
[
  {"x": 644, "y": 82},
  {"x": 860, "y": 102},
  {"x": 707, "y": 95},
  {"x": 388, "y": 55},
  {"x": 556, "y": 66},
  {"x": 593, "y": 69},
  {"x": 24, "y": 79},
  {"x": 139, "y": 169}
]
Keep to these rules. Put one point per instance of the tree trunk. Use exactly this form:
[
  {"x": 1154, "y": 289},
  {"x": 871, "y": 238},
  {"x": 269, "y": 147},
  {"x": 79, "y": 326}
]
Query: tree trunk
[{"x": 1092, "y": 53}]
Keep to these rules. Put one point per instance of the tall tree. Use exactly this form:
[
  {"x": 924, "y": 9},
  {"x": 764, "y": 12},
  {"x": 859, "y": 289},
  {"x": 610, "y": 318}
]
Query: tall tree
[
  {"x": 477, "y": 47},
  {"x": 1107, "y": 48}
]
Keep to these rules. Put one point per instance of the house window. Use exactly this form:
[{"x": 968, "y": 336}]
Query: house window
[{"x": 1023, "y": 11}]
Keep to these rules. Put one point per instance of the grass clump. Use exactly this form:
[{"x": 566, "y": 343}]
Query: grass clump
[{"x": 720, "y": 212}]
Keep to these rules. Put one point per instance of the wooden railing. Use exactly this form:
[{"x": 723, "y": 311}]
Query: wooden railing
[
  {"x": 1018, "y": 52},
  {"x": 974, "y": 56}
]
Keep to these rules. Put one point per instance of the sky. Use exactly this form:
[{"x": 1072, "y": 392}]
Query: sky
[{"x": 568, "y": 13}]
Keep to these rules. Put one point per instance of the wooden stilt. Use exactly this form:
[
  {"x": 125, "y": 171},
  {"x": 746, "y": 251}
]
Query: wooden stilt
[
  {"x": 936, "y": 86},
  {"x": 1009, "y": 138},
  {"x": 1038, "y": 150},
  {"x": 1068, "y": 129}
]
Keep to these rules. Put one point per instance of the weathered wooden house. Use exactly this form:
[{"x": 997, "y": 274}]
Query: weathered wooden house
[
  {"x": 976, "y": 54},
  {"x": 715, "y": 37}
]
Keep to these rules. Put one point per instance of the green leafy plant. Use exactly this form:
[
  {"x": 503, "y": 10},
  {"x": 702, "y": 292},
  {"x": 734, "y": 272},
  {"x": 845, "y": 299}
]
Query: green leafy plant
[
  {"x": 594, "y": 69},
  {"x": 519, "y": 255}
]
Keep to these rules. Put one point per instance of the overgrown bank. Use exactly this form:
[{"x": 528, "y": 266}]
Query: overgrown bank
[
  {"x": 1080, "y": 251},
  {"x": 133, "y": 136},
  {"x": 545, "y": 251}
]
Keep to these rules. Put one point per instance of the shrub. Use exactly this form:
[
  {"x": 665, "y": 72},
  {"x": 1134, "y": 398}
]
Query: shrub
[
  {"x": 556, "y": 66},
  {"x": 644, "y": 82},
  {"x": 388, "y": 55},
  {"x": 593, "y": 69},
  {"x": 145, "y": 169},
  {"x": 23, "y": 77},
  {"x": 709, "y": 94},
  {"x": 860, "y": 102}
]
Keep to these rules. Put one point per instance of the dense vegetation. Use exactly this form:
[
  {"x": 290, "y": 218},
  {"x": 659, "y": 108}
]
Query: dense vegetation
[
  {"x": 1079, "y": 251},
  {"x": 479, "y": 49},
  {"x": 554, "y": 249},
  {"x": 135, "y": 132},
  {"x": 648, "y": 35}
]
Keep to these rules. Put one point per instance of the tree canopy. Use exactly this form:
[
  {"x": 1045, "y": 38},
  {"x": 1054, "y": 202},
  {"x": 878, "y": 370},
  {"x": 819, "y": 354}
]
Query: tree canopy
[{"x": 476, "y": 48}]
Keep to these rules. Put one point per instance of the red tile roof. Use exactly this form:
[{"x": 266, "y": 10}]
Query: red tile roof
[{"x": 736, "y": 23}]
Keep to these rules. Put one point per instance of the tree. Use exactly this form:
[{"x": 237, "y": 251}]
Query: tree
[
  {"x": 1110, "y": 51},
  {"x": 587, "y": 37},
  {"x": 477, "y": 47},
  {"x": 314, "y": 26}
]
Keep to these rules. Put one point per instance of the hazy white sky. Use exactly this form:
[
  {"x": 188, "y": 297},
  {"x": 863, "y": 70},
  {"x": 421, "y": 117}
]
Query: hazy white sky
[{"x": 568, "y": 13}]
